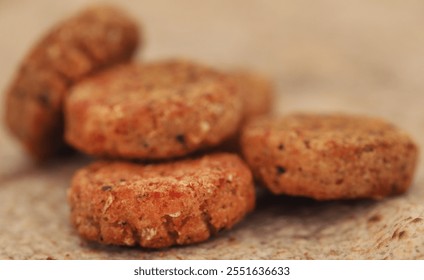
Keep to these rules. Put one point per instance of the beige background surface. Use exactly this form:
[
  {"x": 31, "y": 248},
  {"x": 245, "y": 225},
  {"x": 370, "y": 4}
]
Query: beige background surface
[{"x": 360, "y": 56}]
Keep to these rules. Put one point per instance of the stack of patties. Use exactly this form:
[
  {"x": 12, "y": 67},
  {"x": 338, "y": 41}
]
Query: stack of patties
[
  {"x": 156, "y": 111},
  {"x": 158, "y": 128},
  {"x": 150, "y": 123}
]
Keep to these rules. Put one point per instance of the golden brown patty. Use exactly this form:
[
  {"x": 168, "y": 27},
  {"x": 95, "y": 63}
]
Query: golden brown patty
[
  {"x": 160, "y": 205},
  {"x": 89, "y": 41},
  {"x": 152, "y": 111},
  {"x": 330, "y": 156},
  {"x": 257, "y": 93}
]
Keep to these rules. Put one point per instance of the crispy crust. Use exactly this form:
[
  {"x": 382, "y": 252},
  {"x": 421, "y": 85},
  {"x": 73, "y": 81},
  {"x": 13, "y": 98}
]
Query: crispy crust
[
  {"x": 91, "y": 40},
  {"x": 330, "y": 156},
  {"x": 160, "y": 205},
  {"x": 152, "y": 111}
]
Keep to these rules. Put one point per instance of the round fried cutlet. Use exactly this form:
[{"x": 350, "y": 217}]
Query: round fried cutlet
[
  {"x": 153, "y": 111},
  {"x": 160, "y": 205},
  {"x": 91, "y": 40},
  {"x": 257, "y": 93},
  {"x": 330, "y": 156}
]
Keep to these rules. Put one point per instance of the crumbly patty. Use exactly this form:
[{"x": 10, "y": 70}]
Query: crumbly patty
[
  {"x": 257, "y": 93},
  {"x": 91, "y": 40},
  {"x": 152, "y": 111},
  {"x": 160, "y": 205},
  {"x": 330, "y": 156}
]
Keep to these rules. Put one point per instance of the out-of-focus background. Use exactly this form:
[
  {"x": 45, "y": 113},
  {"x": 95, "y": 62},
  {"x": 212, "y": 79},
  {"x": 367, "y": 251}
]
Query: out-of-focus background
[{"x": 359, "y": 56}]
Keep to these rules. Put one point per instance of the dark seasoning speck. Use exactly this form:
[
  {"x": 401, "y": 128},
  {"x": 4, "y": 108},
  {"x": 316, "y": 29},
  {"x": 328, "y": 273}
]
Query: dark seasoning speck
[
  {"x": 106, "y": 188},
  {"x": 280, "y": 170},
  {"x": 180, "y": 139},
  {"x": 43, "y": 99}
]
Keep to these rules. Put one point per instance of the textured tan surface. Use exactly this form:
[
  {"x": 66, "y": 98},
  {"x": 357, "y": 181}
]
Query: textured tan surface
[{"x": 354, "y": 56}]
